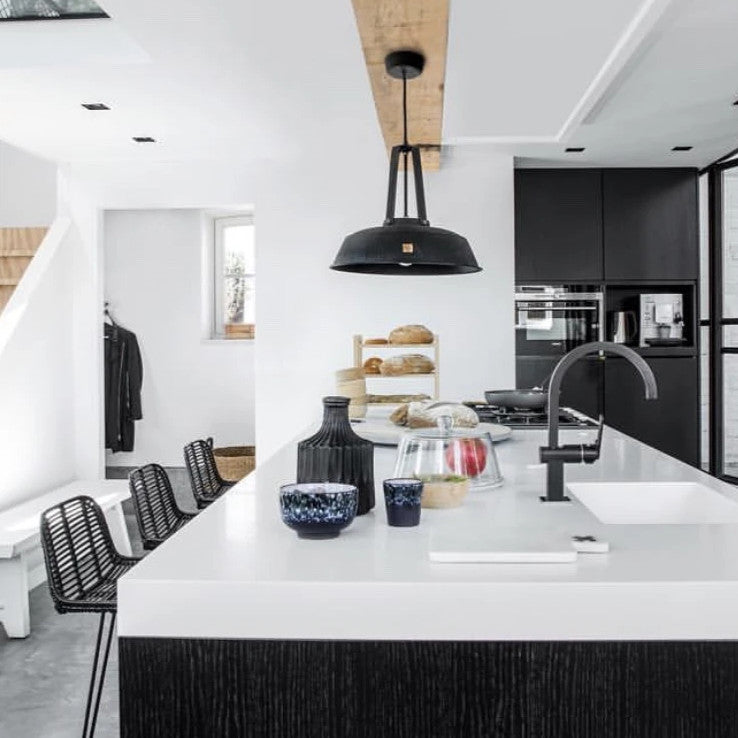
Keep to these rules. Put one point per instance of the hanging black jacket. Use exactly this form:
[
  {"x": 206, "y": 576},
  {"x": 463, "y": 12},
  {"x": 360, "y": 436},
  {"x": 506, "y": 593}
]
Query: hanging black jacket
[{"x": 123, "y": 379}]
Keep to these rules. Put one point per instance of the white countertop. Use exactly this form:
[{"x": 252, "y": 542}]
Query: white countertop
[{"x": 237, "y": 571}]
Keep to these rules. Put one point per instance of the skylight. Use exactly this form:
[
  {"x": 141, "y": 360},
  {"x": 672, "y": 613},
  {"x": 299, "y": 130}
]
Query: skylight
[{"x": 12, "y": 10}]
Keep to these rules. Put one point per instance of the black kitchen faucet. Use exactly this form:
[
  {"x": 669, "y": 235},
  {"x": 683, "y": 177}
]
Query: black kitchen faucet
[{"x": 556, "y": 456}]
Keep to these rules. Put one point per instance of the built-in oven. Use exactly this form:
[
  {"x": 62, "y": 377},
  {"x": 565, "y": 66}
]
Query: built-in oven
[{"x": 550, "y": 321}]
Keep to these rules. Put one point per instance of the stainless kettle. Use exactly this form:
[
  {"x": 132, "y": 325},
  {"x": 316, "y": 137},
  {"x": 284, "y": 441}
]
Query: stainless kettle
[{"x": 624, "y": 326}]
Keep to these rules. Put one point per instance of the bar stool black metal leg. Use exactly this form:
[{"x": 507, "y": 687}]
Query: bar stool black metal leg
[
  {"x": 93, "y": 676},
  {"x": 83, "y": 567},
  {"x": 111, "y": 628}
]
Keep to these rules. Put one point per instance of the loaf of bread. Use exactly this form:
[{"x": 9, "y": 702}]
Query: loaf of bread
[
  {"x": 426, "y": 415},
  {"x": 372, "y": 364},
  {"x": 411, "y": 334},
  {"x": 395, "y": 366},
  {"x": 376, "y": 342}
]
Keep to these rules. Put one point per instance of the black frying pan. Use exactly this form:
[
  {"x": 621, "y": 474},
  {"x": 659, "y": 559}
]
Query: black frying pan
[{"x": 525, "y": 399}]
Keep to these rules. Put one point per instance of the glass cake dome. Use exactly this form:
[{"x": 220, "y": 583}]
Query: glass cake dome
[{"x": 449, "y": 456}]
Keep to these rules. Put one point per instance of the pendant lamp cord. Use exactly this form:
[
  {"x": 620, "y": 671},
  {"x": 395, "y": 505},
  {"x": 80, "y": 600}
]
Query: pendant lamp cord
[{"x": 404, "y": 131}]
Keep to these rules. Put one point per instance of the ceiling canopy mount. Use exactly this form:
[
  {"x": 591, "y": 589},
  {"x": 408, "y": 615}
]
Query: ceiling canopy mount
[{"x": 404, "y": 64}]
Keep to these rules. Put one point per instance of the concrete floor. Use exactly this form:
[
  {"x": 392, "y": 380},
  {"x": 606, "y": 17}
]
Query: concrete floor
[{"x": 44, "y": 678}]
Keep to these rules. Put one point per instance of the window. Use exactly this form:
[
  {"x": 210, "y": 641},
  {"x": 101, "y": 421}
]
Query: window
[
  {"x": 235, "y": 276},
  {"x": 49, "y": 9}
]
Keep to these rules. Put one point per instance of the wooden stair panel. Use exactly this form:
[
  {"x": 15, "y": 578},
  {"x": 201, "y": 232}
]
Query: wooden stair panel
[
  {"x": 21, "y": 241},
  {"x": 17, "y": 247},
  {"x": 12, "y": 267},
  {"x": 418, "y": 25},
  {"x": 5, "y": 293}
]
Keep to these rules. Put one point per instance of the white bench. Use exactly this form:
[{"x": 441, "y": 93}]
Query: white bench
[{"x": 21, "y": 558}]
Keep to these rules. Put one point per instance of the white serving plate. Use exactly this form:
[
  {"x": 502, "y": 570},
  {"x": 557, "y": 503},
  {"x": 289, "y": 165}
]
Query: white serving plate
[{"x": 386, "y": 433}]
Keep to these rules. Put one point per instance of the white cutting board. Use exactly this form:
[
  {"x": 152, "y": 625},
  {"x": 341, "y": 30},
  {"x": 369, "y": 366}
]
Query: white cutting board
[{"x": 497, "y": 545}]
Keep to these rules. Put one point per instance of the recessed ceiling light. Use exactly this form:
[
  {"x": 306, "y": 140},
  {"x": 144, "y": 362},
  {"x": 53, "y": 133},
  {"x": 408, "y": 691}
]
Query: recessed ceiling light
[
  {"x": 574, "y": 149},
  {"x": 682, "y": 148},
  {"x": 144, "y": 139},
  {"x": 95, "y": 106}
]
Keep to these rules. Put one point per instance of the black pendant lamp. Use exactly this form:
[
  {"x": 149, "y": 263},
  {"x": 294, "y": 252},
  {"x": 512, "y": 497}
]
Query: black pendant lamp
[{"x": 407, "y": 246}]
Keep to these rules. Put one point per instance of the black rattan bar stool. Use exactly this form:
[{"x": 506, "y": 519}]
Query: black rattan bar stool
[
  {"x": 207, "y": 484},
  {"x": 157, "y": 513},
  {"x": 83, "y": 567}
]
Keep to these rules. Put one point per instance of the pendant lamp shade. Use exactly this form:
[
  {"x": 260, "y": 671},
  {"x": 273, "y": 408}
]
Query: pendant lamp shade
[
  {"x": 384, "y": 250},
  {"x": 406, "y": 246}
]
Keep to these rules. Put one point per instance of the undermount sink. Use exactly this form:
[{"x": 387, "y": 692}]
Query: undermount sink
[{"x": 655, "y": 503}]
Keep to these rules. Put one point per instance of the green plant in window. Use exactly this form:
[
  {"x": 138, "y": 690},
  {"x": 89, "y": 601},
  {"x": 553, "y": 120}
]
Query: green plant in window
[{"x": 235, "y": 287}]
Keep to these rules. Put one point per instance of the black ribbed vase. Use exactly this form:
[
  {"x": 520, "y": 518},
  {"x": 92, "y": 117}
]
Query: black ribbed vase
[{"x": 336, "y": 454}]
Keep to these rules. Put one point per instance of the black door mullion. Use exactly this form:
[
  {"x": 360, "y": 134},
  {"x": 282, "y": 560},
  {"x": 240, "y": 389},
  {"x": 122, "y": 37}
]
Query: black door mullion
[{"x": 715, "y": 234}]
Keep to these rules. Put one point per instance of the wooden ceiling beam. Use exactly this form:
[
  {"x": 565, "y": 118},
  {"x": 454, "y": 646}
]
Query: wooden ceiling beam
[{"x": 418, "y": 25}]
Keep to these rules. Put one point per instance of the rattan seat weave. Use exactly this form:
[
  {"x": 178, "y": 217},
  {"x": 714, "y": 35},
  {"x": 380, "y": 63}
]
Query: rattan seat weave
[
  {"x": 207, "y": 484},
  {"x": 99, "y": 598},
  {"x": 157, "y": 513},
  {"x": 82, "y": 562}
]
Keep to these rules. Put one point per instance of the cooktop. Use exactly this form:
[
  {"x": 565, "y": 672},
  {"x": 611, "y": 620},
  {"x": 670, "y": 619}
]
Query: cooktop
[{"x": 519, "y": 418}]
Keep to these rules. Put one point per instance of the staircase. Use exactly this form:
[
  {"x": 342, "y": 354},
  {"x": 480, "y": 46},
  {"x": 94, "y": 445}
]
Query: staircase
[{"x": 17, "y": 248}]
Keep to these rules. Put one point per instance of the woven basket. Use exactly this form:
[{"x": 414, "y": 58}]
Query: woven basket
[{"x": 235, "y": 462}]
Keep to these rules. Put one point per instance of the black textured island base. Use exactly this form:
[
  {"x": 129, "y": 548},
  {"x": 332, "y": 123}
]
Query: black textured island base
[{"x": 415, "y": 689}]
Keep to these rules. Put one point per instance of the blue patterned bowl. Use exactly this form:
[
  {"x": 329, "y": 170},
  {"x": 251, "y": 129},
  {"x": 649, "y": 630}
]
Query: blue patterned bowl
[{"x": 318, "y": 509}]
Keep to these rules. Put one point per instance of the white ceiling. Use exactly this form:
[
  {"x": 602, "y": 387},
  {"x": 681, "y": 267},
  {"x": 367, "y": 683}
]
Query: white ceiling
[
  {"x": 676, "y": 87},
  {"x": 209, "y": 81},
  {"x": 246, "y": 80},
  {"x": 518, "y": 69}
]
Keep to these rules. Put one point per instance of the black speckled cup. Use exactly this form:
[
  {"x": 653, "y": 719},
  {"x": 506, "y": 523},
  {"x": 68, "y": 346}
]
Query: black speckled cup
[{"x": 402, "y": 501}]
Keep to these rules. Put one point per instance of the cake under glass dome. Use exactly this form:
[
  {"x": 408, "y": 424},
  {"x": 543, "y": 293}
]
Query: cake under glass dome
[{"x": 447, "y": 452}]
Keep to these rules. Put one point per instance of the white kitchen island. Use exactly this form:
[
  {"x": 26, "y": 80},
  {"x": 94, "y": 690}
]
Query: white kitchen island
[{"x": 280, "y": 629}]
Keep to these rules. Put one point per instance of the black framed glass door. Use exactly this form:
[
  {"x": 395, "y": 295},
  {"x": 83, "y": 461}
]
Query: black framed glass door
[{"x": 721, "y": 322}]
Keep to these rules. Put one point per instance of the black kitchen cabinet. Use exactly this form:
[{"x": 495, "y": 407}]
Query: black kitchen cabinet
[
  {"x": 558, "y": 225},
  {"x": 582, "y": 386},
  {"x": 632, "y": 231},
  {"x": 669, "y": 423},
  {"x": 650, "y": 224}
]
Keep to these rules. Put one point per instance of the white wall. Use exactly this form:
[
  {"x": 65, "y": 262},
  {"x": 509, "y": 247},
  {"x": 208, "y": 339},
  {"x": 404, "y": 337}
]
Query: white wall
[
  {"x": 192, "y": 387},
  {"x": 88, "y": 325},
  {"x": 37, "y": 423},
  {"x": 307, "y": 314},
  {"x": 36, "y": 355},
  {"x": 27, "y": 189}
]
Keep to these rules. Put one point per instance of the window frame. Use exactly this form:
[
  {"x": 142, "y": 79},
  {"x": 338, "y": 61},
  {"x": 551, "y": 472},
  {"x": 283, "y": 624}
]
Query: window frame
[
  {"x": 220, "y": 223},
  {"x": 62, "y": 15},
  {"x": 716, "y": 319}
]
